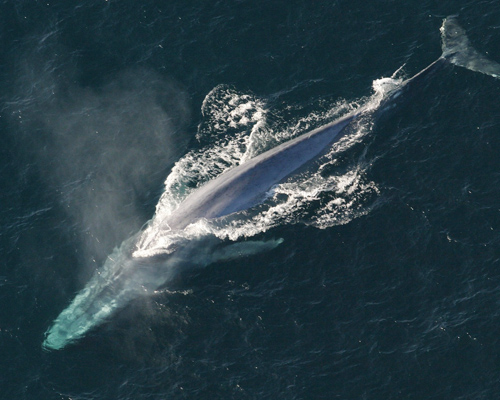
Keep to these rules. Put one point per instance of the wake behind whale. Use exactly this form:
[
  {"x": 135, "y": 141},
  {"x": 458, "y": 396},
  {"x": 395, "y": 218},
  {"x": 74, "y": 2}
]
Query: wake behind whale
[{"x": 186, "y": 233}]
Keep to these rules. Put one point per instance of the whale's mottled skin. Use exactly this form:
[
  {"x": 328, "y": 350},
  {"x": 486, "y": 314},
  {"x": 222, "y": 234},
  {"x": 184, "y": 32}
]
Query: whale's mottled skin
[
  {"x": 245, "y": 185},
  {"x": 124, "y": 277}
]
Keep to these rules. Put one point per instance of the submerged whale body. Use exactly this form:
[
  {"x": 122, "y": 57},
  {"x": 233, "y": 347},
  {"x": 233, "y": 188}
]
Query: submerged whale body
[{"x": 125, "y": 277}]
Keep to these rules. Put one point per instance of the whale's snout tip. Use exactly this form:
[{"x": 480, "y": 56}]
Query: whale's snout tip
[{"x": 55, "y": 339}]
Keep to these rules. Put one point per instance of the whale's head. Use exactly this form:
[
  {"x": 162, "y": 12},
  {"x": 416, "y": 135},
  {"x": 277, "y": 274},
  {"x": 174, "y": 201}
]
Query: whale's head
[
  {"x": 124, "y": 278},
  {"x": 104, "y": 293},
  {"x": 121, "y": 279}
]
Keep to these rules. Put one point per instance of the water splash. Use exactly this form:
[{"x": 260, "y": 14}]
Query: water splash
[{"x": 236, "y": 128}]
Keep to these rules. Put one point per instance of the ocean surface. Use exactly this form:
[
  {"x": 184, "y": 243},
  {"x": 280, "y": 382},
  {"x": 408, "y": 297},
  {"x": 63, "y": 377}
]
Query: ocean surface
[{"x": 387, "y": 282}]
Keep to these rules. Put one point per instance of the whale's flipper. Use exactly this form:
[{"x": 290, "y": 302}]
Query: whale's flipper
[
  {"x": 243, "y": 249},
  {"x": 458, "y": 50}
]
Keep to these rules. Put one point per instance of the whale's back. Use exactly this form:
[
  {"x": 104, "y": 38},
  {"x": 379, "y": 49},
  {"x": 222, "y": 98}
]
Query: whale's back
[{"x": 246, "y": 185}]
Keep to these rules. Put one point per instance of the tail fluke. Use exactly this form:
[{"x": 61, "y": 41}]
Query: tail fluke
[{"x": 458, "y": 50}]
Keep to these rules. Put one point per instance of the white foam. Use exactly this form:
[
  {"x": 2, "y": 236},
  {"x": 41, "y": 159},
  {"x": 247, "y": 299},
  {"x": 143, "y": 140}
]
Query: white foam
[
  {"x": 236, "y": 128},
  {"x": 223, "y": 109}
]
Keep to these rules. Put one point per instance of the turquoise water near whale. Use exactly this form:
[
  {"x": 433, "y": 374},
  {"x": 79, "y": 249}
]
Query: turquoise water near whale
[{"x": 387, "y": 283}]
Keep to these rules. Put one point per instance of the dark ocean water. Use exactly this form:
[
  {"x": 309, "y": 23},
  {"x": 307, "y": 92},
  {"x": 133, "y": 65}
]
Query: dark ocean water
[{"x": 396, "y": 297}]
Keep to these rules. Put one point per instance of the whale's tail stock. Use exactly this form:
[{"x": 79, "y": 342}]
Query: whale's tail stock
[{"x": 458, "y": 50}]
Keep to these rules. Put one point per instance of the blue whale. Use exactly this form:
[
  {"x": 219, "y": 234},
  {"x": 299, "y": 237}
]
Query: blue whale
[{"x": 125, "y": 277}]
